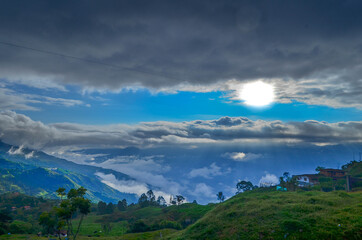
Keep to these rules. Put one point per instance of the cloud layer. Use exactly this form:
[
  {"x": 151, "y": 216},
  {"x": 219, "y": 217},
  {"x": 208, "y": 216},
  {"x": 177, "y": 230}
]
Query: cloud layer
[
  {"x": 302, "y": 48},
  {"x": 19, "y": 129}
]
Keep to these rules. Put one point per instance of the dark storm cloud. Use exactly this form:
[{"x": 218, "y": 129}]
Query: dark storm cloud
[
  {"x": 168, "y": 43},
  {"x": 18, "y": 129},
  {"x": 228, "y": 121}
]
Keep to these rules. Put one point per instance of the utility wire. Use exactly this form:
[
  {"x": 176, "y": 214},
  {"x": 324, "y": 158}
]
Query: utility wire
[{"x": 88, "y": 60}]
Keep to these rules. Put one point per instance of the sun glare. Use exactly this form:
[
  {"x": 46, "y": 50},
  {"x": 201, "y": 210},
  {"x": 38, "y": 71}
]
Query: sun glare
[{"x": 257, "y": 94}]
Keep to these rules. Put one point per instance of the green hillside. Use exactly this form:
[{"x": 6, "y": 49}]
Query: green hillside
[
  {"x": 135, "y": 222},
  {"x": 257, "y": 214},
  {"x": 20, "y": 172},
  {"x": 278, "y": 215},
  {"x": 41, "y": 159},
  {"x": 38, "y": 181}
]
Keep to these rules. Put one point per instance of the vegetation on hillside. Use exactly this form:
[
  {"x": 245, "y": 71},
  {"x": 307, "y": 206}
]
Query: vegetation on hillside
[
  {"x": 77, "y": 174},
  {"x": 270, "y": 214},
  {"x": 104, "y": 220},
  {"x": 253, "y": 213},
  {"x": 38, "y": 181}
]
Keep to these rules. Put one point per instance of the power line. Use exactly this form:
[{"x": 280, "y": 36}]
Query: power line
[{"x": 88, "y": 60}]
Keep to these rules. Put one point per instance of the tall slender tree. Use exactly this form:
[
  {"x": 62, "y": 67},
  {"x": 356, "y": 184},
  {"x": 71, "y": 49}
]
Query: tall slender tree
[
  {"x": 161, "y": 201},
  {"x": 180, "y": 199},
  {"x": 75, "y": 203},
  {"x": 220, "y": 196},
  {"x": 143, "y": 200},
  {"x": 122, "y": 205},
  {"x": 102, "y": 207},
  {"x": 151, "y": 196}
]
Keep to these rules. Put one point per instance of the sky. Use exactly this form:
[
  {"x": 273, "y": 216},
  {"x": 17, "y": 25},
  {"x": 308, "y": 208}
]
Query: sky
[{"x": 158, "y": 89}]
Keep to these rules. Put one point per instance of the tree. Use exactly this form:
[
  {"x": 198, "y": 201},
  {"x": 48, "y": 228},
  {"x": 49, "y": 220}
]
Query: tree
[
  {"x": 125, "y": 204},
  {"x": 319, "y": 168},
  {"x": 286, "y": 181},
  {"x": 110, "y": 208},
  {"x": 220, "y": 196},
  {"x": 281, "y": 181},
  {"x": 5, "y": 219},
  {"x": 50, "y": 223},
  {"x": 180, "y": 199},
  {"x": 150, "y": 196},
  {"x": 172, "y": 200},
  {"x": 292, "y": 184},
  {"x": 61, "y": 192},
  {"x": 122, "y": 205},
  {"x": 350, "y": 164},
  {"x": 102, "y": 207},
  {"x": 161, "y": 201},
  {"x": 286, "y": 176},
  {"x": 20, "y": 227},
  {"x": 139, "y": 226},
  {"x": 143, "y": 200},
  {"x": 244, "y": 186},
  {"x": 75, "y": 203}
]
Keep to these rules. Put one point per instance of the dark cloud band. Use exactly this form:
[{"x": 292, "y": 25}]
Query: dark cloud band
[{"x": 162, "y": 44}]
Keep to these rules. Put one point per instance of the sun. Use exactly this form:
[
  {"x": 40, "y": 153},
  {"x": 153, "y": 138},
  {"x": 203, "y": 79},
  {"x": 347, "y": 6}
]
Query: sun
[{"x": 257, "y": 94}]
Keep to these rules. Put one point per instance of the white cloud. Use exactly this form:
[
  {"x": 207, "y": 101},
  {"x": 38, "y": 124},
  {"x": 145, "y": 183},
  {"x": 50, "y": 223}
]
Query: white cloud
[
  {"x": 268, "y": 180},
  {"x": 207, "y": 172},
  {"x": 29, "y": 155},
  {"x": 129, "y": 186},
  {"x": 241, "y": 157},
  {"x": 146, "y": 171},
  {"x": 13, "y": 100},
  {"x": 16, "y": 151},
  {"x": 203, "y": 190}
]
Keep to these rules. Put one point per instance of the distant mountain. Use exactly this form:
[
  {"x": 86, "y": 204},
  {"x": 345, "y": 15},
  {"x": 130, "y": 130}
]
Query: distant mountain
[
  {"x": 37, "y": 173},
  {"x": 41, "y": 159},
  {"x": 38, "y": 181}
]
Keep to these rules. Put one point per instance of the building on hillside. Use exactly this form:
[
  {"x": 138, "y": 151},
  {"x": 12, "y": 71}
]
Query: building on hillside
[
  {"x": 27, "y": 207},
  {"x": 333, "y": 173},
  {"x": 305, "y": 180}
]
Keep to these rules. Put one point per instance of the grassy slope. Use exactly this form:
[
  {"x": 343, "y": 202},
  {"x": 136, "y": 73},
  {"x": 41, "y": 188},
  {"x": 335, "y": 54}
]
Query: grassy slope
[
  {"x": 276, "y": 215},
  {"x": 160, "y": 234},
  {"x": 252, "y": 215},
  {"x": 150, "y": 215}
]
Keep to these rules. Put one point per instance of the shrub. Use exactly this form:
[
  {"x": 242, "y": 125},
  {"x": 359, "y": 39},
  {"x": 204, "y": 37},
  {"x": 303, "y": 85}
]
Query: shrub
[
  {"x": 167, "y": 224},
  {"x": 20, "y": 227},
  {"x": 139, "y": 226}
]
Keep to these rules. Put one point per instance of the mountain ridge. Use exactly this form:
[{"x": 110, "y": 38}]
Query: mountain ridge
[{"x": 23, "y": 162}]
